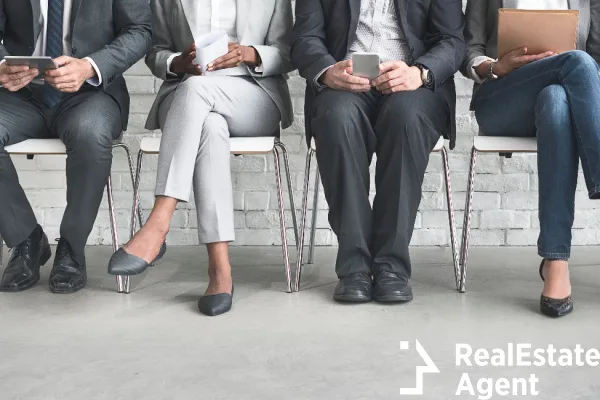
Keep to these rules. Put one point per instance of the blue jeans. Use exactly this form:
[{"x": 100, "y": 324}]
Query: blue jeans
[{"x": 558, "y": 100}]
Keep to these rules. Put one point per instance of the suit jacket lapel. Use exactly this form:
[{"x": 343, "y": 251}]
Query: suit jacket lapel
[
  {"x": 354, "y": 15},
  {"x": 401, "y": 11},
  {"x": 242, "y": 16},
  {"x": 36, "y": 12},
  {"x": 74, "y": 10}
]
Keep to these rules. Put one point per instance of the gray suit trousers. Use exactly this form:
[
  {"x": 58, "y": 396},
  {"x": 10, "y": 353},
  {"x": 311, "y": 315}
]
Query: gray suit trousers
[
  {"x": 87, "y": 122},
  {"x": 401, "y": 129},
  {"x": 197, "y": 121}
]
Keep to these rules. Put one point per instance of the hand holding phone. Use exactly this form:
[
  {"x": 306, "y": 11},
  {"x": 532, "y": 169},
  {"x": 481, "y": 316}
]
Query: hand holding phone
[{"x": 340, "y": 77}]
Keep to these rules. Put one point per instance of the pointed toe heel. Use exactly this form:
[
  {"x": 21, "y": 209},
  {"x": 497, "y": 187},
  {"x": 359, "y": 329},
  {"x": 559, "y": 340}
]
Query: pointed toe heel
[
  {"x": 216, "y": 304},
  {"x": 123, "y": 263},
  {"x": 554, "y": 308}
]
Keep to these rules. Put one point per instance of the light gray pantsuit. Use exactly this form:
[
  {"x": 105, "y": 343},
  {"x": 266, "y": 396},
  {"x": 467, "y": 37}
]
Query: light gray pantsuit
[{"x": 197, "y": 120}]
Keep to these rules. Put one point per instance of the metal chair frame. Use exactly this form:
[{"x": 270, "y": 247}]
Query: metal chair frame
[
  {"x": 111, "y": 208},
  {"x": 277, "y": 147},
  {"x": 466, "y": 234},
  {"x": 309, "y": 156}
]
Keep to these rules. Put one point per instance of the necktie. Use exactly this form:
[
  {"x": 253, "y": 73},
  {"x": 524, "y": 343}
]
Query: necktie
[{"x": 54, "y": 45}]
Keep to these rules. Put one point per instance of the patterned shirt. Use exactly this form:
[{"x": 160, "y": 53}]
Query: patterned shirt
[{"x": 379, "y": 31}]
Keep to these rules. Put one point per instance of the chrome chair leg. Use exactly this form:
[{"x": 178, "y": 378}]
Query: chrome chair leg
[
  {"x": 313, "y": 226},
  {"x": 286, "y": 162},
  {"x": 284, "y": 243},
  {"x": 467, "y": 223},
  {"x": 131, "y": 171},
  {"x": 136, "y": 210},
  {"x": 303, "y": 213},
  {"x": 113, "y": 227},
  {"x": 451, "y": 218},
  {"x": 1, "y": 250}
]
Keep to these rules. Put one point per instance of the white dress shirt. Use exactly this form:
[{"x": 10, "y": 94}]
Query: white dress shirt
[
  {"x": 216, "y": 16},
  {"x": 519, "y": 4},
  {"x": 40, "y": 44}
]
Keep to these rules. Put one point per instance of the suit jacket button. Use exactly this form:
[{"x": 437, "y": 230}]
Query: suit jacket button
[{"x": 74, "y": 51}]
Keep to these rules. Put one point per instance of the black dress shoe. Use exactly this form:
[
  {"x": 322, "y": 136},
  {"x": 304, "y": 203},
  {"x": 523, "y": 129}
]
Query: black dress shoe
[
  {"x": 354, "y": 288},
  {"x": 67, "y": 275},
  {"x": 216, "y": 304},
  {"x": 123, "y": 263},
  {"x": 390, "y": 287},
  {"x": 554, "y": 308},
  {"x": 23, "y": 269}
]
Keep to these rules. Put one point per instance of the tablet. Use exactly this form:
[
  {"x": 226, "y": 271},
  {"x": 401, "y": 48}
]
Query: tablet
[
  {"x": 41, "y": 63},
  {"x": 538, "y": 30}
]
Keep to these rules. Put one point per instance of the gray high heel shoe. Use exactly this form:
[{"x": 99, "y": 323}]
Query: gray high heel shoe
[
  {"x": 123, "y": 263},
  {"x": 216, "y": 304}
]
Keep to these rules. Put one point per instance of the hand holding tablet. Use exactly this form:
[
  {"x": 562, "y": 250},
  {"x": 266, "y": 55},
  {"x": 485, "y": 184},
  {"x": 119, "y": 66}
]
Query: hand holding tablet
[{"x": 18, "y": 72}]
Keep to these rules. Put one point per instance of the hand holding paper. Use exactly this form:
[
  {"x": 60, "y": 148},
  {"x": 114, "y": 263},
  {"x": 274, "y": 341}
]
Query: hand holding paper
[{"x": 210, "y": 47}]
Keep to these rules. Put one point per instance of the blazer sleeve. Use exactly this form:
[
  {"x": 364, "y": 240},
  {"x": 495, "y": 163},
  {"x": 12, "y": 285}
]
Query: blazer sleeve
[
  {"x": 475, "y": 35},
  {"x": 132, "y": 22},
  {"x": 275, "y": 53},
  {"x": 163, "y": 46},
  {"x": 309, "y": 51},
  {"x": 446, "y": 40},
  {"x": 593, "y": 43},
  {"x": 3, "y": 51}
]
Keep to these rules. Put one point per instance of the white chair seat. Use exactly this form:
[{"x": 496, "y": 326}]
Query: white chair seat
[
  {"x": 501, "y": 144},
  {"x": 239, "y": 145},
  {"x": 38, "y": 147},
  {"x": 438, "y": 146}
]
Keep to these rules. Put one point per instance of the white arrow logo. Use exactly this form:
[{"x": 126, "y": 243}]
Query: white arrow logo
[{"x": 428, "y": 368}]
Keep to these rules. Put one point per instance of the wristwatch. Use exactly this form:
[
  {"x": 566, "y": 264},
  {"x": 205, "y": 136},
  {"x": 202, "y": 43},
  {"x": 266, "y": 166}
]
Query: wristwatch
[{"x": 426, "y": 76}]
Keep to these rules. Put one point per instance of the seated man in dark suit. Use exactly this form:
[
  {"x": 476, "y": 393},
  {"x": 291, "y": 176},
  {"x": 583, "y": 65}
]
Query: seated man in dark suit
[
  {"x": 398, "y": 116},
  {"x": 85, "y": 103}
]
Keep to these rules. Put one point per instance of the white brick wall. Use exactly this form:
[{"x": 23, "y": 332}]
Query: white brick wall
[{"x": 505, "y": 202}]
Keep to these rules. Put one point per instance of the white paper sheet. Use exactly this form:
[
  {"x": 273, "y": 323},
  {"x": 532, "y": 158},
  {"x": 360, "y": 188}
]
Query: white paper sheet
[{"x": 210, "y": 47}]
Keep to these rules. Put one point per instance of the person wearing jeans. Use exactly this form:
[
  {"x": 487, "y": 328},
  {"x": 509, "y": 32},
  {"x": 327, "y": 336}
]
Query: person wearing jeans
[{"x": 556, "y": 98}]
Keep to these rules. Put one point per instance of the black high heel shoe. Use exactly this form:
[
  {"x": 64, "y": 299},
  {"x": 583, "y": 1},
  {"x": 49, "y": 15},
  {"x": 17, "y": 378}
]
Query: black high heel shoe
[
  {"x": 216, "y": 304},
  {"x": 123, "y": 263},
  {"x": 554, "y": 308}
]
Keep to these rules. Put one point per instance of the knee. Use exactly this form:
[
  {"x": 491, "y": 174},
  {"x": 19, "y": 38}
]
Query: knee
[
  {"x": 338, "y": 115},
  {"x": 215, "y": 127},
  {"x": 552, "y": 103},
  {"x": 580, "y": 59},
  {"x": 200, "y": 86},
  {"x": 92, "y": 135}
]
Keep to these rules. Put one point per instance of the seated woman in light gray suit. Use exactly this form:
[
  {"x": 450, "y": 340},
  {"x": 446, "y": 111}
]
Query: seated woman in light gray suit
[
  {"x": 244, "y": 94},
  {"x": 553, "y": 97}
]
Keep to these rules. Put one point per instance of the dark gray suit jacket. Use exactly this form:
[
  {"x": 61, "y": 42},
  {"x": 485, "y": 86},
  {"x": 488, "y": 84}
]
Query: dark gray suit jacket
[
  {"x": 433, "y": 29},
  {"x": 113, "y": 33}
]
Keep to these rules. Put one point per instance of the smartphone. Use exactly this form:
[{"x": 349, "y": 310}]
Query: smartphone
[
  {"x": 365, "y": 65},
  {"x": 42, "y": 64}
]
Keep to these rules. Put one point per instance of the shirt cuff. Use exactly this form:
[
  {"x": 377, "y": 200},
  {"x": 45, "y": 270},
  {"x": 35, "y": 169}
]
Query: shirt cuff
[
  {"x": 169, "y": 62},
  {"x": 318, "y": 85},
  {"x": 474, "y": 63},
  {"x": 97, "y": 80},
  {"x": 3, "y": 61}
]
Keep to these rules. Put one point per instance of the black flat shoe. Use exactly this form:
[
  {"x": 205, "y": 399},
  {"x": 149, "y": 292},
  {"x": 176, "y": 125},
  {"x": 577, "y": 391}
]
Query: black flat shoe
[
  {"x": 23, "y": 269},
  {"x": 123, "y": 263},
  {"x": 354, "y": 288},
  {"x": 216, "y": 304},
  {"x": 389, "y": 287},
  {"x": 67, "y": 275},
  {"x": 554, "y": 308}
]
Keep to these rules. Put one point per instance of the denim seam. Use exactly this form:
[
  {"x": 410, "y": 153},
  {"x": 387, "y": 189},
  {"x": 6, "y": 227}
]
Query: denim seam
[{"x": 554, "y": 255}]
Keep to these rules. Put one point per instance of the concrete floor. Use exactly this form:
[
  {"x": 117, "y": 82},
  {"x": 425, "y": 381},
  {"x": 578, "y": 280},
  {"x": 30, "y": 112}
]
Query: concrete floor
[{"x": 153, "y": 344}]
